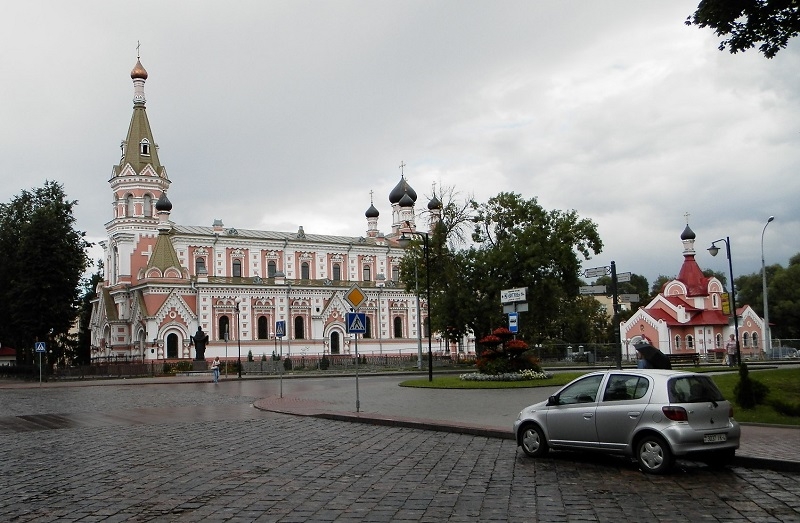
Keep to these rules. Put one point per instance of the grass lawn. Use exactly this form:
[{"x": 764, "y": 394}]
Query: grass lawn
[{"x": 784, "y": 386}]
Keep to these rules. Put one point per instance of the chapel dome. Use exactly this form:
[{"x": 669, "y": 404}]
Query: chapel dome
[
  {"x": 401, "y": 189},
  {"x": 138, "y": 71}
]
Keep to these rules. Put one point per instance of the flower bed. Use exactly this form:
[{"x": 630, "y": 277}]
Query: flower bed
[{"x": 522, "y": 375}]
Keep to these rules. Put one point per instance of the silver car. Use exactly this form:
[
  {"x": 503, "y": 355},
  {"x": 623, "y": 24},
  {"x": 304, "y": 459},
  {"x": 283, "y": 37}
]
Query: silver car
[{"x": 651, "y": 415}]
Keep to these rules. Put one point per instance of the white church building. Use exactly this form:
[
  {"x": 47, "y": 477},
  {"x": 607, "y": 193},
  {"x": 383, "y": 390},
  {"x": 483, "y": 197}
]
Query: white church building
[{"x": 163, "y": 280}]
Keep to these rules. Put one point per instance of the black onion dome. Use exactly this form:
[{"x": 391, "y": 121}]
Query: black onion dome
[
  {"x": 400, "y": 189},
  {"x": 688, "y": 233},
  {"x": 372, "y": 212},
  {"x": 434, "y": 204},
  {"x": 406, "y": 201},
  {"x": 163, "y": 203}
]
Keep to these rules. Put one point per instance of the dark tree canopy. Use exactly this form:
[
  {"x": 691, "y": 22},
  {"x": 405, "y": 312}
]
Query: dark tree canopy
[
  {"x": 43, "y": 261},
  {"x": 746, "y": 23}
]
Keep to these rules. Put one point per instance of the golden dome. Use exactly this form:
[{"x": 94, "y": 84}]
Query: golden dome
[{"x": 138, "y": 71}]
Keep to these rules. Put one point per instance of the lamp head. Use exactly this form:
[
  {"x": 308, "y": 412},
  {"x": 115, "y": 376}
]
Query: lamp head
[
  {"x": 770, "y": 219},
  {"x": 403, "y": 240},
  {"x": 713, "y": 249}
]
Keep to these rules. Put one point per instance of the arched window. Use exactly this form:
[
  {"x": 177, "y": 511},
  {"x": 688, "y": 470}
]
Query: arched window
[
  {"x": 263, "y": 328},
  {"x": 237, "y": 268},
  {"x": 395, "y": 273},
  {"x": 147, "y": 206},
  {"x": 337, "y": 272},
  {"x": 746, "y": 339},
  {"x": 144, "y": 147},
  {"x": 755, "y": 339},
  {"x": 715, "y": 301},
  {"x": 129, "y": 205},
  {"x": 368, "y": 328},
  {"x": 718, "y": 341},
  {"x": 367, "y": 273},
  {"x": 172, "y": 345},
  {"x": 690, "y": 342},
  {"x": 398, "y": 327},
  {"x": 224, "y": 327},
  {"x": 200, "y": 266},
  {"x": 334, "y": 342},
  {"x": 299, "y": 328},
  {"x": 304, "y": 271},
  {"x": 271, "y": 270},
  {"x": 677, "y": 342}
]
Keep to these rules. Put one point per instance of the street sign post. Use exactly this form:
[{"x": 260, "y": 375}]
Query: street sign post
[
  {"x": 629, "y": 298},
  {"x": 356, "y": 322},
  {"x": 592, "y": 289},
  {"x": 41, "y": 348},
  {"x": 622, "y": 277},
  {"x": 280, "y": 329},
  {"x": 595, "y": 272}
]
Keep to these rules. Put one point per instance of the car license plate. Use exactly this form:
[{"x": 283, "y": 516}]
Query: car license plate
[{"x": 715, "y": 438}]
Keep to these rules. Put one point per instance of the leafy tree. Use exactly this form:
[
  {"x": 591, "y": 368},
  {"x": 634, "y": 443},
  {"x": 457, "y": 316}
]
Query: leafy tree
[
  {"x": 40, "y": 272},
  {"x": 83, "y": 353},
  {"x": 784, "y": 300},
  {"x": 746, "y": 23},
  {"x": 658, "y": 284}
]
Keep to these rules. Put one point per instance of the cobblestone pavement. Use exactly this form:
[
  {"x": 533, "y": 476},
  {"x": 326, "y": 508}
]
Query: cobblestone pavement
[{"x": 199, "y": 452}]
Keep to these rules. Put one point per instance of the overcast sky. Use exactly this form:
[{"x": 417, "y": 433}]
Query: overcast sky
[{"x": 273, "y": 115}]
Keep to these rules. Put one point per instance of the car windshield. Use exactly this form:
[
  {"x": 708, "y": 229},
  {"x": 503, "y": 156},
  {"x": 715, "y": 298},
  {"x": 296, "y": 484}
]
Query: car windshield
[{"x": 693, "y": 389}]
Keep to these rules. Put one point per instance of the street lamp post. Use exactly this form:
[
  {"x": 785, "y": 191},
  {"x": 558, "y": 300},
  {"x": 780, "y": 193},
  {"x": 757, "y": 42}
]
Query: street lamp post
[
  {"x": 404, "y": 241},
  {"x": 767, "y": 334},
  {"x": 238, "y": 302},
  {"x": 714, "y": 250}
]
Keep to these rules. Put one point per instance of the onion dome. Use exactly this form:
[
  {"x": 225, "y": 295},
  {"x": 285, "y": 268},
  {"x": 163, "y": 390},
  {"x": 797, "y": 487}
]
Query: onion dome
[
  {"x": 406, "y": 201},
  {"x": 434, "y": 204},
  {"x": 402, "y": 188},
  {"x": 688, "y": 234},
  {"x": 163, "y": 203},
  {"x": 372, "y": 212},
  {"x": 138, "y": 71}
]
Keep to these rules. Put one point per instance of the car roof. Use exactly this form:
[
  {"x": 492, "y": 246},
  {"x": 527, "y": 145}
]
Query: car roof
[{"x": 647, "y": 372}]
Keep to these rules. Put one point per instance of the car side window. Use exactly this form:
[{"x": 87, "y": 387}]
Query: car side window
[
  {"x": 625, "y": 387},
  {"x": 582, "y": 391}
]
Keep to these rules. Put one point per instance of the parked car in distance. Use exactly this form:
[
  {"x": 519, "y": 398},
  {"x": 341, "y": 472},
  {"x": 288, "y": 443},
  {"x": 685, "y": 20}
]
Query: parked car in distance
[
  {"x": 782, "y": 353},
  {"x": 651, "y": 415}
]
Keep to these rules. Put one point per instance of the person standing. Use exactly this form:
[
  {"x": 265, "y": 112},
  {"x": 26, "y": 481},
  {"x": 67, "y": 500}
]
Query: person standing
[
  {"x": 215, "y": 369},
  {"x": 730, "y": 348}
]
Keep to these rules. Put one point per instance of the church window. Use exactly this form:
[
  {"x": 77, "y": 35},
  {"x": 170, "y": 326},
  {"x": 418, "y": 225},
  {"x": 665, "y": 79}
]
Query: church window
[
  {"x": 263, "y": 328},
  {"x": 755, "y": 339},
  {"x": 129, "y": 205},
  {"x": 305, "y": 271},
  {"x": 147, "y": 206},
  {"x": 715, "y": 301},
  {"x": 299, "y": 328},
  {"x": 368, "y": 328},
  {"x": 398, "y": 327},
  {"x": 237, "y": 268},
  {"x": 271, "y": 269},
  {"x": 677, "y": 342},
  {"x": 337, "y": 272},
  {"x": 718, "y": 341},
  {"x": 367, "y": 273},
  {"x": 395, "y": 273},
  {"x": 224, "y": 327},
  {"x": 144, "y": 147},
  {"x": 746, "y": 339},
  {"x": 690, "y": 342},
  {"x": 200, "y": 266}
]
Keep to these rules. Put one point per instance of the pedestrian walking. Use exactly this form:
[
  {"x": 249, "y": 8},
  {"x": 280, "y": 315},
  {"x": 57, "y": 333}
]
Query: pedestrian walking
[
  {"x": 215, "y": 369},
  {"x": 730, "y": 348}
]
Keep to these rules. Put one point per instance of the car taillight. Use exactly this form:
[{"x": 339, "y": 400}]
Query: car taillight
[
  {"x": 730, "y": 412},
  {"x": 675, "y": 413}
]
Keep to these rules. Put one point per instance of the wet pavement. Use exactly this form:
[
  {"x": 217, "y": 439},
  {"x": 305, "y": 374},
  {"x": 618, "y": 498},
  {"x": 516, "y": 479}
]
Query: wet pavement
[{"x": 184, "y": 449}]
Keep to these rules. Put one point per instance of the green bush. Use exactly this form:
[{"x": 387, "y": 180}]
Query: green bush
[
  {"x": 183, "y": 366},
  {"x": 787, "y": 409},
  {"x": 324, "y": 363},
  {"x": 263, "y": 357},
  {"x": 287, "y": 364}
]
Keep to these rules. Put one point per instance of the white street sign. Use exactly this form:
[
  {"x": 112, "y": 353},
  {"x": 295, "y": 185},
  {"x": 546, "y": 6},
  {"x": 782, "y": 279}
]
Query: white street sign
[
  {"x": 595, "y": 272},
  {"x": 629, "y": 298},
  {"x": 593, "y": 289},
  {"x": 513, "y": 295},
  {"x": 622, "y": 277}
]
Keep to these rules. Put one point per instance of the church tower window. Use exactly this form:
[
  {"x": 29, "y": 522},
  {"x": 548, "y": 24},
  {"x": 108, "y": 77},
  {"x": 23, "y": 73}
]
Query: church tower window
[
  {"x": 236, "y": 266},
  {"x": 305, "y": 271},
  {"x": 144, "y": 147},
  {"x": 367, "y": 273},
  {"x": 337, "y": 272},
  {"x": 271, "y": 269}
]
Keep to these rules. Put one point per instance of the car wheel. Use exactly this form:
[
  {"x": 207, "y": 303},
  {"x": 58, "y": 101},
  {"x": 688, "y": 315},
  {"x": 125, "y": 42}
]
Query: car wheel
[
  {"x": 654, "y": 455},
  {"x": 533, "y": 441}
]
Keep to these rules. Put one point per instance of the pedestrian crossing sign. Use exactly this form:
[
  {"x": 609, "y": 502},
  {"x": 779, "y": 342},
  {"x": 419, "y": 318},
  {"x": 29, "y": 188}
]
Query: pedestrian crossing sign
[
  {"x": 356, "y": 323},
  {"x": 280, "y": 329},
  {"x": 40, "y": 346}
]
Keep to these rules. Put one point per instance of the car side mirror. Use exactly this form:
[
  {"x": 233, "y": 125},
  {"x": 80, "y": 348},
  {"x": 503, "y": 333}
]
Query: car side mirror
[{"x": 552, "y": 400}]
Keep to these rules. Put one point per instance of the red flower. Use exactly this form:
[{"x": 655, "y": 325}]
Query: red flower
[
  {"x": 516, "y": 345},
  {"x": 502, "y": 332},
  {"x": 490, "y": 340}
]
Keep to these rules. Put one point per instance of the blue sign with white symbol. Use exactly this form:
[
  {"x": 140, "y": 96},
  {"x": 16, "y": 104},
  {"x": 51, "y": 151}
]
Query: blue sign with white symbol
[
  {"x": 356, "y": 323},
  {"x": 280, "y": 329},
  {"x": 40, "y": 346},
  {"x": 513, "y": 324}
]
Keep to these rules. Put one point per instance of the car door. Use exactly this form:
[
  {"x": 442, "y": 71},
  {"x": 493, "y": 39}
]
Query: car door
[
  {"x": 571, "y": 420},
  {"x": 623, "y": 402}
]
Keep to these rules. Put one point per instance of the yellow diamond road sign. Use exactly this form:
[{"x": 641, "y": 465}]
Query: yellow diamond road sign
[{"x": 355, "y": 296}]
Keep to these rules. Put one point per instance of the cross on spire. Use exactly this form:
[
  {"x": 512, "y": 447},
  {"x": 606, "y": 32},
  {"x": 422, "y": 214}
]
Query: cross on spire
[
  {"x": 402, "y": 164},
  {"x": 686, "y": 215},
  {"x": 137, "y": 49},
  {"x": 370, "y": 197}
]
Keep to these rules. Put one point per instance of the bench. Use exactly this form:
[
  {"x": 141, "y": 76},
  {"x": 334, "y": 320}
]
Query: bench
[{"x": 686, "y": 357}]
